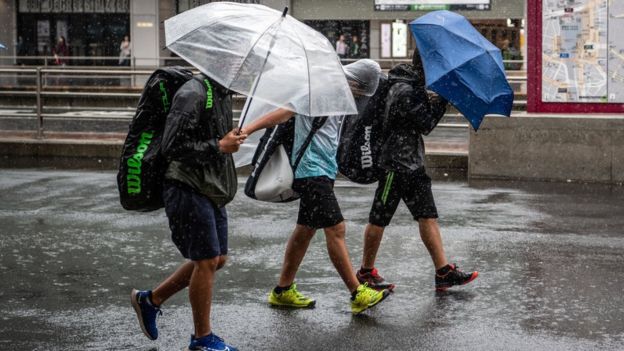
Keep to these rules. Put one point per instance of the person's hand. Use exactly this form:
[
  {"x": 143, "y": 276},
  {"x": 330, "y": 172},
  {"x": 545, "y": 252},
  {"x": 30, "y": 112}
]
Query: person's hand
[{"x": 231, "y": 142}]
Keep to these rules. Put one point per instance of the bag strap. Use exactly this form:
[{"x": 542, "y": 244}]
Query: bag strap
[{"x": 316, "y": 125}]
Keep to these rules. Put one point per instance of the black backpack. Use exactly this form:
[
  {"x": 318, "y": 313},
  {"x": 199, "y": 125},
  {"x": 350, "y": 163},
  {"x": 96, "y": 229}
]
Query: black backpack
[
  {"x": 361, "y": 138},
  {"x": 142, "y": 166},
  {"x": 272, "y": 173}
]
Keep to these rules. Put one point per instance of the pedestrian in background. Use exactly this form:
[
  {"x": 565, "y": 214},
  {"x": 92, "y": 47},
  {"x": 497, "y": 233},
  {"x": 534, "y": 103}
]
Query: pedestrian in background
[
  {"x": 124, "y": 52},
  {"x": 354, "y": 50},
  {"x": 341, "y": 47},
  {"x": 60, "y": 51}
]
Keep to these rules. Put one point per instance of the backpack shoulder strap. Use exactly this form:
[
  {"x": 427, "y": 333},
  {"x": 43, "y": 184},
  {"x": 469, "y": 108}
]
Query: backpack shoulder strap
[{"x": 316, "y": 125}]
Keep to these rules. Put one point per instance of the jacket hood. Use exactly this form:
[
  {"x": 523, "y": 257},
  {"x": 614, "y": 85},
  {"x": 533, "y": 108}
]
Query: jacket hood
[
  {"x": 365, "y": 74},
  {"x": 407, "y": 73}
]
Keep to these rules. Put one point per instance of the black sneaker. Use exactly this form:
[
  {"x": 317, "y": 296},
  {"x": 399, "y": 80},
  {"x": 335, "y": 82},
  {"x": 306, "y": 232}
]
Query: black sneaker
[
  {"x": 374, "y": 280},
  {"x": 453, "y": 277}
]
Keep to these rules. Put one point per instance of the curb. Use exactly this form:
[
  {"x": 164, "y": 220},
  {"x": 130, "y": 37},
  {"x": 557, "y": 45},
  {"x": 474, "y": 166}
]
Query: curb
[{"x": 103, "y": 154}]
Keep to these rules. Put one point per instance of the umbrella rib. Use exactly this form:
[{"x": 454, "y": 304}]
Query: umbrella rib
[
  {"x": 205, "y": 25},
  {"x": 251, "y": 48},
  {"x": 308, "y": 68}
]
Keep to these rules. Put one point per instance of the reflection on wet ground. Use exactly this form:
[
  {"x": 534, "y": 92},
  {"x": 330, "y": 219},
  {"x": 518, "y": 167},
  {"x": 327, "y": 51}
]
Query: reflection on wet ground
[{"x": 549, "y": 257}]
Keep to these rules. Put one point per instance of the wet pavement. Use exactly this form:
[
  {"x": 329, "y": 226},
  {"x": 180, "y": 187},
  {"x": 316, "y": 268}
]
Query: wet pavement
[{"x": 550, "y": 257}]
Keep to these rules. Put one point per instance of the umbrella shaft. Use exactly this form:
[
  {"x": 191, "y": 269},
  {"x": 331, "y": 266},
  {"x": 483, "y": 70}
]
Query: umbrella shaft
[{"x": 255, "y": 86}]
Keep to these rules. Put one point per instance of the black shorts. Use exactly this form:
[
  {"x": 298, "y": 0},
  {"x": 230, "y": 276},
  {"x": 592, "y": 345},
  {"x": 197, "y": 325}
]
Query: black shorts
[
  {"x": 415, "y": 190},
  {"x": 198, "y": 228},
  {"x": 318, "y": 207}
]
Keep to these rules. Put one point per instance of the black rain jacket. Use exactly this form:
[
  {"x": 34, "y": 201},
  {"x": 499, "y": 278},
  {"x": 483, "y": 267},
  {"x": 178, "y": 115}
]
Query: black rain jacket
[
  {"x": 409, "y": 114},
  {"x": 200, "y": 115}
]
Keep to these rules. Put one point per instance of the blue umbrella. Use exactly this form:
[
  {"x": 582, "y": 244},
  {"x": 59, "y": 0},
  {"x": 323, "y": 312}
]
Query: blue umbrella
[{"x": 462, "y": 66}]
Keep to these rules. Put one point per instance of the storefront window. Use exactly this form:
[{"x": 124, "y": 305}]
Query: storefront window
[
  {"x": 349, "y": 38},
  {"x": 399, "y": 39},
  {"x": 90, "y": 28},
  {"x": 507, "y": 35},
  {"x": 183, "y": 5}
]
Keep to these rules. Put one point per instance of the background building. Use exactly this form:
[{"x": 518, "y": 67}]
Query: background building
[{"x": 95, "y": 28}]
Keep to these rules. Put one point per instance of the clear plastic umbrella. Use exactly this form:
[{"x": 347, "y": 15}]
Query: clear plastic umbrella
[{"x": 264, "y": 54}]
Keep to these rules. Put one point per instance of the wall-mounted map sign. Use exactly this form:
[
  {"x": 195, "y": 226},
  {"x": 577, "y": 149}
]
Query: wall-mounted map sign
[
  {"x": 583, "y": 51},
  {"x": 431, "y": 5}
]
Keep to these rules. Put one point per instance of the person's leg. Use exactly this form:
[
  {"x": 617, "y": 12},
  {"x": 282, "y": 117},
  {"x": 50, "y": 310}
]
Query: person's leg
[
  {"x": 338, "y": 254},
  {"x": 200, "y": 294},
  {"x": 172, "y": 284},
  {"x": 372, "y": 240},
  {"x": 285, "y": 293},
  {"x": 385, "y": 203},
  {"x": 202, "y": 281},
  {"x": 177, "y": 281},
  {"x": 421, "y": 204},
  {"x": 430, "y": 235},
  {"x": 295, "y": 251},
  {"x": 418, "y": 198},
  {"x": 363, "y": 297}
]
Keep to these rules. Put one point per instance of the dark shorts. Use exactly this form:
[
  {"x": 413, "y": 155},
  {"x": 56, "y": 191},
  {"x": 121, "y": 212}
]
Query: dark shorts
[
  {"x": 198, "y": 228},
  {"x": 318, "y": 207},
  {"x": 413, "y": 188}
]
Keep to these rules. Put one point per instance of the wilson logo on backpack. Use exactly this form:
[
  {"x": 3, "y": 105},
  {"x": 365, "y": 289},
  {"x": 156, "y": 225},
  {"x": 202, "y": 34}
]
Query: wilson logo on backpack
[
  {"x": 209, "y": 98},
  {"x": 134, "y": 163},
  {"x": 367, "y": 154},
  {"x": 164, "y": 97}
]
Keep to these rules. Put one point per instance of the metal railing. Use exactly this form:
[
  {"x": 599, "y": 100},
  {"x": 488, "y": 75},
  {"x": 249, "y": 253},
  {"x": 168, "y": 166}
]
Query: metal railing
[
  {"x": 42, "y": 72},
  {"x": 47, "y": 60}
]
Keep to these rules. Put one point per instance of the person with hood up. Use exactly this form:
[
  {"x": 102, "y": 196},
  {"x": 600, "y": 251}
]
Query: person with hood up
[
  {"x": 318, "y": 207},
  {"x": 409, "y": 114}
]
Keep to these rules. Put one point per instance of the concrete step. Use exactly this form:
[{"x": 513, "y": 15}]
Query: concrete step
[{"x": 101, "y": 151}]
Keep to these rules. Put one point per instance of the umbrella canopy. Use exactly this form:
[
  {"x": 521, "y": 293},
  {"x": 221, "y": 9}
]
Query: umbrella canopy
[
  {"x": 265, "y": 54},
  {"x": 462, "y": 66}
]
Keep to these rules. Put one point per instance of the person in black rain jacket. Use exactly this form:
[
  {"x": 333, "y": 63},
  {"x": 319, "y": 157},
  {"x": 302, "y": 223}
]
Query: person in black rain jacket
[
  {"x": 200, "y": 180},
  {"x": 409, "y": 114}
]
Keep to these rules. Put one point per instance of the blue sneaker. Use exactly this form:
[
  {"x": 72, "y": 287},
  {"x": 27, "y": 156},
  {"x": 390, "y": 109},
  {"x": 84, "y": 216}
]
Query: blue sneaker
[
  {"x": 210, "y": 342},
  {"x": 146, "y": 312}
]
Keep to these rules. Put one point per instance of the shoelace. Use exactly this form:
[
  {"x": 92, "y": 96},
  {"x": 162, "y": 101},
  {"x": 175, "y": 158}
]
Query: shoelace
[
  {"x": 368, "y": 291},
  {"x": 296, "y": 293},
  {"x": 299, "y": 296}
]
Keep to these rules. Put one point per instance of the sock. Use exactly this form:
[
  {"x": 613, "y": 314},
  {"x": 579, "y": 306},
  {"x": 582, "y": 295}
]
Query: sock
[
  {"x": 366, "y": 270},
  {"x": 444, "y": 270},
  {"x": 148, "y": 299},
  {"x": 279, "y": 289},
  {"x": 353, "y": 294}
]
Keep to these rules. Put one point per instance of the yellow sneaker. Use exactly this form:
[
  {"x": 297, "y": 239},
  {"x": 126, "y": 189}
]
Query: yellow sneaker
[
  {"x": 290, "y": 298},
  {"x": 367, "y": 297}
]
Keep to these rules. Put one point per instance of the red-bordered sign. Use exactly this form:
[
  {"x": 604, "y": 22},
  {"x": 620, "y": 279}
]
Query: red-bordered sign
[{"x": 534, "y": 73}]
